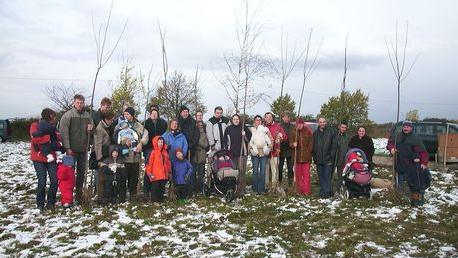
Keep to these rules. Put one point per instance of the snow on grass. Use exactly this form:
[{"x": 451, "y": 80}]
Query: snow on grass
[
  {"x": 207, "y": 227},
  {"x": 380, "y": 146}
]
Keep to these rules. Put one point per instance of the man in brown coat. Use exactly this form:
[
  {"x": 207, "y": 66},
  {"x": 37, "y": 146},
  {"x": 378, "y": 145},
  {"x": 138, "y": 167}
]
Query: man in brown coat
[{"x": 301, "y": 140}]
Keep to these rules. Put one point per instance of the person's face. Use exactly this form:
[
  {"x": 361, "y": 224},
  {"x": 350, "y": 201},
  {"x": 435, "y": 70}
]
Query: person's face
[
  {"x": 179, "y": 155},
  {"x": 407, "y": 129},
  {"x": 343, "y": 128},
  {"x": 79, "y": 104},
  {"x": 160, "y": 143},
  {"x": 269, "y": 118},
  {"x": 257, "y": 121},
  {"x": 128, "y": 116},
  {"x": 285, "y": 119},
  {"x": 235, "y": 120},
  {"x": 200, "y": 125},
  {"x": 218, "y": 113},
  {"x": 174, "y": 125},
  {"x": 184, "y": 113},
  {"x": 109, "y": 121},
  {"x": 361, "y": 132},
  {"x": 199, "y": 116},
  {"x": 300, "y": 126},
  {"x": 154, "y": 115},
  {"x": 114, "y": 154},
  {"x": 105, "y": 108},
  {"x": 322, "y": 123}
]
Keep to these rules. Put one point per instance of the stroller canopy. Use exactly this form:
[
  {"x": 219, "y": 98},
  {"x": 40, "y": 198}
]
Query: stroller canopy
[{"x": 358, "y": 152}]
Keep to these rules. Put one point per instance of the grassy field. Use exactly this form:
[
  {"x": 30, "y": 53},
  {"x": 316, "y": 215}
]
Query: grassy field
[{"x": 255, "y": 226}]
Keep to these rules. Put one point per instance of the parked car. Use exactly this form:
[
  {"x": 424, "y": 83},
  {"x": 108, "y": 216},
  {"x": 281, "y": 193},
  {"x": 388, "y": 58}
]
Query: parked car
[
  {"x": 428, "y": 132},
  {"x": 5, "y": 130}
]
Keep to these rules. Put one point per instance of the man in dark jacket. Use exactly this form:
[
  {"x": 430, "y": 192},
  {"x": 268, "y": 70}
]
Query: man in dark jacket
[
  {"x": 324, "y": 151},
  {"x": 411, "y": 162},
  {"x": 285, "y": 149},
  {"x": 75, "y": 127},
  {"x": 105, "y": 106},
  {"x": 188, "y": 128},
  {"x": 343, "y": 138},
  {"x": 215, "y": 128}
]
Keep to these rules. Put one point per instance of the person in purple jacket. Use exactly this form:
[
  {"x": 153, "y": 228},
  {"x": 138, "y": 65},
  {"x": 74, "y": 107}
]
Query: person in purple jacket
[{"x": 181, "y": 176}]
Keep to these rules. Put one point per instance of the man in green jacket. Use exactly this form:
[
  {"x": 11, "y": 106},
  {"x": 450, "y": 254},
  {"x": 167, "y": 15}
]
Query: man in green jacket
[
  {"x": 343, "y": 138},
  {"x": 75, "y": 126}
]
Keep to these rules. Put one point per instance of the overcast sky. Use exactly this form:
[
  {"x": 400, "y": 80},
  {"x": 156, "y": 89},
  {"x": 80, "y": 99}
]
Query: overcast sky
[{"x": 46, "y": 42}]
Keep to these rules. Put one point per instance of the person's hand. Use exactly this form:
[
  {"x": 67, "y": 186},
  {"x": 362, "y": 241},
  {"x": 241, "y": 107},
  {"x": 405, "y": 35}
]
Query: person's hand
[
  {"x": 295, "y": 144},
  {"x": 280, "y": 135},
  {"x": 243, "y": 133},
  {"x": 129, "y": 143},
  {"x": 90, "y": 127},
  {"x": 69, "y": 152},
  {"x": 423, "y": 166},
  {"x": 139, "y": 148},
  {"x": 393, "y": 151},
  {"x": 416, "y": 160}
]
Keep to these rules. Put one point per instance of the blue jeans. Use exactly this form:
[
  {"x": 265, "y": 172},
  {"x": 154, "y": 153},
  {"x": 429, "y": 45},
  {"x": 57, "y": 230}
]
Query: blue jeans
[
  {"x": 259, "y": 176},
  {"x": 42, "y": 169},
  {"x": 325, "y": 178}
]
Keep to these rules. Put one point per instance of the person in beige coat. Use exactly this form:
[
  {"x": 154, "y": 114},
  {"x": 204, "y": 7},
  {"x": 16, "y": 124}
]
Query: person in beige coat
[{"x": 259, "y": 146}]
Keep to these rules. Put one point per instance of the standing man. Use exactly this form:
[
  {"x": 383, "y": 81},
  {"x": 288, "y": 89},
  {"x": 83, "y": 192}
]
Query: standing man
[
  {"x": 75, "y": 127},
  {"x": 105, "y": 106},
  {"x": 343, "y": 138},
  {"x": 188, "y": 127},
  {"x": 285, "y": 149},
  {"x": 324, "y": 151},
  {"x": 215, "y": 129},
  {"x": 411, "y": 162},
  {"x": 278, "y": 137}
]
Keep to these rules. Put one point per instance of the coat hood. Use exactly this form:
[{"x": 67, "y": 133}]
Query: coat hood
[{"x": 155, "y": 144}]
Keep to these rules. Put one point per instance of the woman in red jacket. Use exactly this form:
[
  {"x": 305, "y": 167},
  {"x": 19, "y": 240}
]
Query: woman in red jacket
[{"x": 41, "y": 164}]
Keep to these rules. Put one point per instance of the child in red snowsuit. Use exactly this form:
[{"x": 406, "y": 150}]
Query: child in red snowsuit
[{"x": 66, "y": 177}]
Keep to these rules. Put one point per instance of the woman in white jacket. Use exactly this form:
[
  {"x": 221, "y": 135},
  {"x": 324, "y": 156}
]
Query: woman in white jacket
[{"x": 260, "y": 146}]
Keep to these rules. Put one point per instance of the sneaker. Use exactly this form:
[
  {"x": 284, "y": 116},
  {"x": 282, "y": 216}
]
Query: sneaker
[{"x": 50, "y": 158}]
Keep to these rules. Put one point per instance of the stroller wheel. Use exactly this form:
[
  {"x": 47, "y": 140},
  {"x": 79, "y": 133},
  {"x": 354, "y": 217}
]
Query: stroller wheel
[{"x": 230, "y": 195}]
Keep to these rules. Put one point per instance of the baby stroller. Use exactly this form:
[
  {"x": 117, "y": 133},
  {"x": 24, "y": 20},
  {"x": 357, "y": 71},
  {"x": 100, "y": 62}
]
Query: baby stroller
[
  {"x": 356, "y": 175},
  {"x": 220, "y": 177}
]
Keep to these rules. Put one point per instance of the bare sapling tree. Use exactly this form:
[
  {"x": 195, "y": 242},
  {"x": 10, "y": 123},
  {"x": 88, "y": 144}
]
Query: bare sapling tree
[
  {"x": 103, "y": 54},
  {"x": 245, "y": 64},
  {"x": 288, "y": 61},
  {"x": 397, "y": 53}
]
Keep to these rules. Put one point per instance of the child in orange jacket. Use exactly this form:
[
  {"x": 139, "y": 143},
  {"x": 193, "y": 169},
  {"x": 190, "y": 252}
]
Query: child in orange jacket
[{"x": 158, "y": 169}]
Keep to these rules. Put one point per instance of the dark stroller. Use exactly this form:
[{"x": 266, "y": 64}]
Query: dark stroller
[
  {"x": 356, "y": 175},
  {"x": 220, "y": 177}
]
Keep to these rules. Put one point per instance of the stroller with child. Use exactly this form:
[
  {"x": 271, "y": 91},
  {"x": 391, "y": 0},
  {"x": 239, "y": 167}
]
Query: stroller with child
[
  {"x": 356, "y": 175},
  {"x": 220, "y": 177}
]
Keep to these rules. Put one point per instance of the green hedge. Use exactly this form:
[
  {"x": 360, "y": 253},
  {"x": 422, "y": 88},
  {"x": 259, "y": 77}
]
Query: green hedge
[{"x": 20, "y": 129}]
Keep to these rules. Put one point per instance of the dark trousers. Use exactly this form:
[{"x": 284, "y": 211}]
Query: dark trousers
[
  {"x": 131, "y": 179},
  {"x": 80, "y": 159},
  {"x": 339, "y": 178},
  {"x": 325, "y": 177},
  {"x": 181, "y": 191},
  {"x": 43, "y": 169},
  {"x": 198, "y": 176},
  {"x": 240, "y": 164},
  {"x": 158, "y": 190},
  {"x": 289, "y": 165}
]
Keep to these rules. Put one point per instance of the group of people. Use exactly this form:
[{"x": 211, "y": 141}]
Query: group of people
[{"x": 177, "y": 150}]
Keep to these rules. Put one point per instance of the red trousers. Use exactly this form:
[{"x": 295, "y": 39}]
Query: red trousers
[
  {"x": 66, "y": 178},
  {"x": 303, "y": 178}
]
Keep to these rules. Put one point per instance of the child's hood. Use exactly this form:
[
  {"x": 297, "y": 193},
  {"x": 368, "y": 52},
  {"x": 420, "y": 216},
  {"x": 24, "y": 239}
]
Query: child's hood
[{"x": 155, "y": 144}]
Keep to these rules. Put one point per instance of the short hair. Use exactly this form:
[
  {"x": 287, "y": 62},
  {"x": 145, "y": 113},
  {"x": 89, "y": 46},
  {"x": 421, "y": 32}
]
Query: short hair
[
  {"x": 79, "y": 97},
  {"x": 361, "y": 126},
  {"x": 47, "y": 113},
  {"x": 257, "y": 116},
  {"x": 285, "y": 113},
  {"x": 235, "y": 115},
  {"x": 270, "y": 113},
  {"x": 107, "y": 116},
  {"x": 106, "y": 101},
  {"x": 319, "y": 117},
  {"x": 174, "y": 120},
  {"x": 218, "y": 108},
  {"x": 344, "y": 123}
]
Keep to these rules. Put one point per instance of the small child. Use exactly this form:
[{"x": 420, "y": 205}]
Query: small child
[
  {"x": 158, "y": 169},
  {"x": 182, "y": 174},
  {"x": 47, "y": 126},
  {"x": 127, "y": 137},
  {"x": 66, "y": 177},
  {"x": 112, "y": 176}
]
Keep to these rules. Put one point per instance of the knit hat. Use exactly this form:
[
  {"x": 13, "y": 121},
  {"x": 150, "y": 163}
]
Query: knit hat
[
  {"x": 407, "y": 123},
  {"x": 183, "y": 107},
  {"x": 68, "y": 160},
  {"x": 300, "y": 120},
  {"x": 130, "y": 110}
]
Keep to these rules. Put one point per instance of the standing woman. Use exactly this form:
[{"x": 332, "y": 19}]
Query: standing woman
[
  {"x": 175, "y": 139},
  {"x": 233, "y": 137},
  {"x": 199, "y": 158},
  {"x": 41, "y": 164},
  {"x": 133, "y": 157},
  {"x": 259, "y": 146},
  {"x": 362, "y": 141},
  {"x": 301, "y": 141}
]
